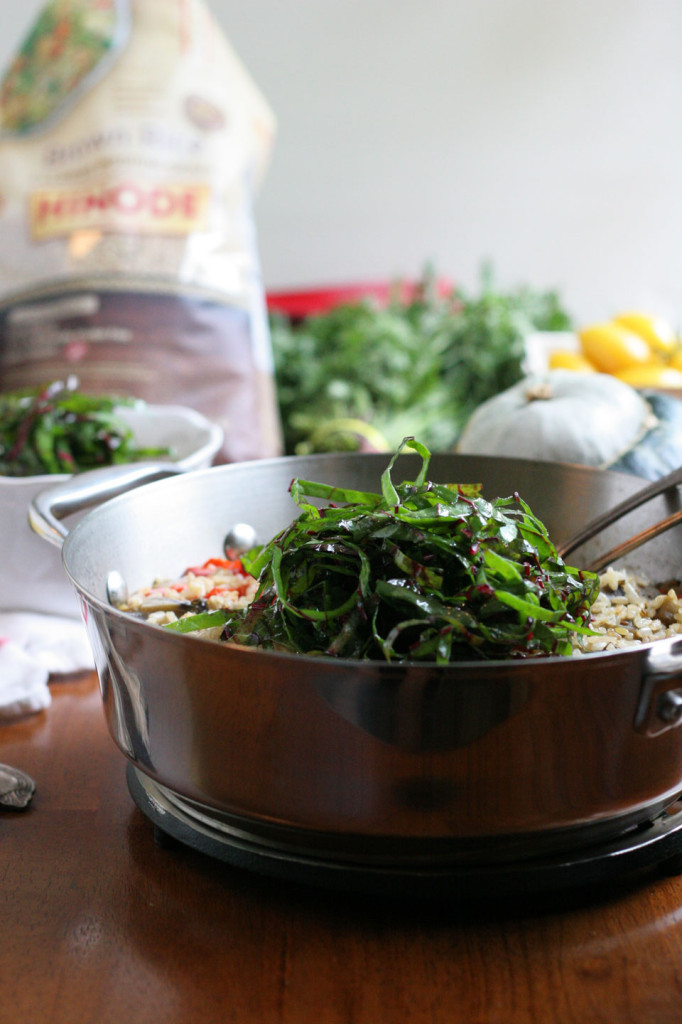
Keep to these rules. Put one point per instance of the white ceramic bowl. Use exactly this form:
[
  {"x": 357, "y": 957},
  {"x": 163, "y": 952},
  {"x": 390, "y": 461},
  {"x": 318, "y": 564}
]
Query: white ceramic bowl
[{"x": 31, "y": 574}]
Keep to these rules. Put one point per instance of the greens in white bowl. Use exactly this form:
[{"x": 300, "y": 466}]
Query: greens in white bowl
[{"x": 31, "y": 574}]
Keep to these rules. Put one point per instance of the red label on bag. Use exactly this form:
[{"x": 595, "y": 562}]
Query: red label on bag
[{"x": 160, "y": 209}]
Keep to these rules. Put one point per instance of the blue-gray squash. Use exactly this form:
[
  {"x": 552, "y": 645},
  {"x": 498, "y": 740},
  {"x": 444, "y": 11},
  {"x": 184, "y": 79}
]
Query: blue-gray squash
[{"x": 592, "y": 419}]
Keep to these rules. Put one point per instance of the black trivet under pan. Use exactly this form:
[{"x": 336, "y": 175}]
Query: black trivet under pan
[{"x": 655, "y": 846}]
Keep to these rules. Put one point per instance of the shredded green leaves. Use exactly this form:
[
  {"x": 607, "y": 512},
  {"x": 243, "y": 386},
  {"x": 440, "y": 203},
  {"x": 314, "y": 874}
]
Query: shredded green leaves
[
  {"x": 201, "y": 620},
  {"x": 57, "y": 429},
  {"x": 419, "y": 572}
]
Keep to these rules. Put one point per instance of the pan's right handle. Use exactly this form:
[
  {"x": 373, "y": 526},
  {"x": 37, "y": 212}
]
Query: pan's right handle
[
  {"x": 85, "y": 490},
  {"x": 660, "y": 703}
]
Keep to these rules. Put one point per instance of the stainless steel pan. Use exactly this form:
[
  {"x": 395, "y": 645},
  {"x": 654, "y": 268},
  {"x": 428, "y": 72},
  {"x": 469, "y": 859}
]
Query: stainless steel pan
[{"x": 369, "y": 762}]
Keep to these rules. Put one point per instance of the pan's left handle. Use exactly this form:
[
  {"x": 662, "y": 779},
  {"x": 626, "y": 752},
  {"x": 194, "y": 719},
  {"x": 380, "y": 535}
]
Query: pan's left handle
[{"x": 86, "y": 490}]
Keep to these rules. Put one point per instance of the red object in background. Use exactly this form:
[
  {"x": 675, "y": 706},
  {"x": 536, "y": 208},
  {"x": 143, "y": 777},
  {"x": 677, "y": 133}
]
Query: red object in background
[{"x": 301, "y": 303}]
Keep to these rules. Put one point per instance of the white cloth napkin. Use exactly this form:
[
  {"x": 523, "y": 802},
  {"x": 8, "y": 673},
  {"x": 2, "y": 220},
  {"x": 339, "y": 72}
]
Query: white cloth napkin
[{"x": 34, "y": 647}]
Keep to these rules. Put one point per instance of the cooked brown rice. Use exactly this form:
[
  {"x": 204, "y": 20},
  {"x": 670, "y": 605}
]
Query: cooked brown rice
[
  {"x": 218, "y": 583},
  {"x": 630, "y": 610}
]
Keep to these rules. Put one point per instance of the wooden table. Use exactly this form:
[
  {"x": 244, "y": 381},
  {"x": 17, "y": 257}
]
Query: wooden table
[{"x": 99, "y": 923}]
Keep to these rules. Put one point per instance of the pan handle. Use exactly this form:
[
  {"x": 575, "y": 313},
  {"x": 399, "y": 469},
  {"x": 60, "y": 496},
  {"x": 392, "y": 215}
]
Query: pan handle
[
  {"x": 660, "y": 702},
  {"x": 620, "y": 510},
  {"x": 85, "y": 490}
]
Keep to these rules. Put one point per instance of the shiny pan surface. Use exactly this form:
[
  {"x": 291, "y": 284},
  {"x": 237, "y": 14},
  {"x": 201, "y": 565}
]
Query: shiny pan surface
[{"x": 369, "y": 761}]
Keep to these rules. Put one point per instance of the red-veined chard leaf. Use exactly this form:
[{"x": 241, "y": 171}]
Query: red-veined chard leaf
[{"x": 420, "y": 571}]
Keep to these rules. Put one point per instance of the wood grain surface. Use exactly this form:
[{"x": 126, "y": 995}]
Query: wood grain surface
[{"x": 99, "y": 924}]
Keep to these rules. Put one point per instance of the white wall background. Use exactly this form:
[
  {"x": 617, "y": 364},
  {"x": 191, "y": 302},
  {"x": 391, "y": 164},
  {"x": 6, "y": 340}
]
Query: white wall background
[{"x": 542, "y": 135}]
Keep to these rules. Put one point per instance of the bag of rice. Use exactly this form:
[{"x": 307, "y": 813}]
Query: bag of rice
[{"x": 132, "y": 141}]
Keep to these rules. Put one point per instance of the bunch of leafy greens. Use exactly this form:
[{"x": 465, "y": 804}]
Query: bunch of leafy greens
[
  {"x": 420, "y": 572},
  {"x": 56, "y": 429},
  {"x": 360, "y": 376}
]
